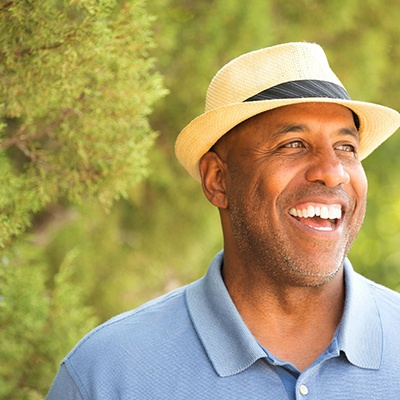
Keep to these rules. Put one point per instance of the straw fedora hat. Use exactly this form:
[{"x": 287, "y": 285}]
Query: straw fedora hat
[{"x": 269, "y": 78}]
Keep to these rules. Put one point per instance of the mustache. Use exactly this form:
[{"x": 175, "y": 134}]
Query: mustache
[{"x": 315, "y": 190}]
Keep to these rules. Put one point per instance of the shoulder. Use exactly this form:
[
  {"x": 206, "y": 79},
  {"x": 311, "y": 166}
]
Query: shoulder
[
  {"x": 137, "y": 351},
  {"x": 132, "y": 338},
  {"x": 163, "y": 312}
]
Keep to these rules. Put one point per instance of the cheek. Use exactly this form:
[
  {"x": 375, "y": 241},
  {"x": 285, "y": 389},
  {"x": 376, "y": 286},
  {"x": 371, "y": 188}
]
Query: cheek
[
  {"x": 281, "y": 179},
  {"x": 360, "y": 185},
  {"x": 258, "y": 187},
  {"x": 268, "y": 185}
]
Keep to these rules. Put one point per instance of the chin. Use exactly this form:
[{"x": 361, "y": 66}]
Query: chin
[
  {"x": 305, "y": 272},
  {"x": 314, "y": 280}
]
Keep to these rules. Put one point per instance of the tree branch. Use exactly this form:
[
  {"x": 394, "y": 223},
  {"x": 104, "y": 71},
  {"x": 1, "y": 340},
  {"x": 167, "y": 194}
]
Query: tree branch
[
  {"x": 48, "y": 47},
  {"x": 18, "y": 139},
  {"x": 5, "y": 5}
]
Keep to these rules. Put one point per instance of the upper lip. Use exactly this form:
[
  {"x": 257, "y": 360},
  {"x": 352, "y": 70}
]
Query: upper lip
[{"x": 320, "y": 201}]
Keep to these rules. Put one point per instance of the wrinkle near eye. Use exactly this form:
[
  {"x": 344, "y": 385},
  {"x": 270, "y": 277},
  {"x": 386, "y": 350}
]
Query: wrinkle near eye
[{"x": 259, "y": 156}]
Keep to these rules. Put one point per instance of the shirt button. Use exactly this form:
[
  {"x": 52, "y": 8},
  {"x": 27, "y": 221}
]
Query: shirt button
[{"x": 303, "y": 389}]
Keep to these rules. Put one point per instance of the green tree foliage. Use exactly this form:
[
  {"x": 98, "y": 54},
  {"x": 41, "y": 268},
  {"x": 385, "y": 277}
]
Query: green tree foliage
[
  {"x": 76, "y": 91},
  {"x": 77, "y": 86},
  {"x": 37, "y": 325}
]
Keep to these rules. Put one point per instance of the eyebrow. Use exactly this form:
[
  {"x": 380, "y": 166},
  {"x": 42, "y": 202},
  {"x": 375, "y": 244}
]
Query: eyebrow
[{"x": 284, "y": 129}]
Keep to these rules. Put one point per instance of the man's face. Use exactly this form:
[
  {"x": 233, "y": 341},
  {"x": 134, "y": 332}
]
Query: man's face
[{"x": 296, "y": 190}]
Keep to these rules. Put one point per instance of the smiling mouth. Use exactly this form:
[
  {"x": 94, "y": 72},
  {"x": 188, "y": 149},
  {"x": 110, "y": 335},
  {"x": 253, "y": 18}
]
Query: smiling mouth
[{"x": 321, "y": 217}]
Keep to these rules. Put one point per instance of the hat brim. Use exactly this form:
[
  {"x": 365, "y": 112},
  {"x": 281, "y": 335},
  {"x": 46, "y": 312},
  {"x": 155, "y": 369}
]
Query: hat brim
[{"x": 377, "y": 123}]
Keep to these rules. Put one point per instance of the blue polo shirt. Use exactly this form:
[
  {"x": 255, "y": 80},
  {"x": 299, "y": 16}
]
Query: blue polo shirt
[{"x": 193, "y": 344}]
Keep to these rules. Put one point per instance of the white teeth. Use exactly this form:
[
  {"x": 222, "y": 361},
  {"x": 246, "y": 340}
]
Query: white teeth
[
  {"x": 333, "y": 213},
  {"x": 325, "y": 212}
]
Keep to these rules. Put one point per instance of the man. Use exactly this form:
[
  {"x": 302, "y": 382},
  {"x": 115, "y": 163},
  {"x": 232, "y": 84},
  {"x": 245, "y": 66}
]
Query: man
[{"x": 280, "y": 313}]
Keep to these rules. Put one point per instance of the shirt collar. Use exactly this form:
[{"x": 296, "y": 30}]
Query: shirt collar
[
  {"x": 360, "y": 334},
  {"x": 232, "y": 348},
  {"x": 228, "y": 342}
]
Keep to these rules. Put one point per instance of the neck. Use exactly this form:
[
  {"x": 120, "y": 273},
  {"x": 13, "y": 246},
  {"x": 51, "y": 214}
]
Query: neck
[{"x": 295, "y": 324}]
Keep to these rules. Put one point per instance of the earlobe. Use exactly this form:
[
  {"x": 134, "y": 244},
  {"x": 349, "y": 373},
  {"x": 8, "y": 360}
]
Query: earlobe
[{"x": 212, "y": 172}]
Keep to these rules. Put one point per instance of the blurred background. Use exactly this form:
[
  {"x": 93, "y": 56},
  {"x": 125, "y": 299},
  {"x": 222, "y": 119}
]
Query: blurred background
[{"x": 96, "y": 215}]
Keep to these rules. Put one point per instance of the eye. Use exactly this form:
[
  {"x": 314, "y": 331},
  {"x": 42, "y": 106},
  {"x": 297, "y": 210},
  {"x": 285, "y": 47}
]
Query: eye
[
  {"x": 296, "y": 144},
  {"x": 349, "y": 148}
]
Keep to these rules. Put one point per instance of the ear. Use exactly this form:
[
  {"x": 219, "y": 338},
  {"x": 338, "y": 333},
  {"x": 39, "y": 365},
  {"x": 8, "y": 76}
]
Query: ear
[{"x": 213, "y": 174}]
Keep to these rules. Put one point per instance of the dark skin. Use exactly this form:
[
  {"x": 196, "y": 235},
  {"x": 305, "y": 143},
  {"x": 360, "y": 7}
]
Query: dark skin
[{"x": 283, "y": 271}]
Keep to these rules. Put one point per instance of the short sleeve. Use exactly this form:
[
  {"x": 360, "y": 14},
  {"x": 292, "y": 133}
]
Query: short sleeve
[{"x": 64, "y": 387}]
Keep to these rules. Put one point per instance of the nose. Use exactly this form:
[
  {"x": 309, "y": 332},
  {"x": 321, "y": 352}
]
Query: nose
[{"x": 328, "y": 170}]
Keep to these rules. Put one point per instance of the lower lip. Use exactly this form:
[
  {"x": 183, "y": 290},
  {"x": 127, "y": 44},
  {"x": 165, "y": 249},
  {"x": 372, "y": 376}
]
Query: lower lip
[{"x": 320, "y": 231}]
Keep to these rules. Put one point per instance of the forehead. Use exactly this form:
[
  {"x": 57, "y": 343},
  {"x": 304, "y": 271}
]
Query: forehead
[{"x": 297, "y": 116}]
